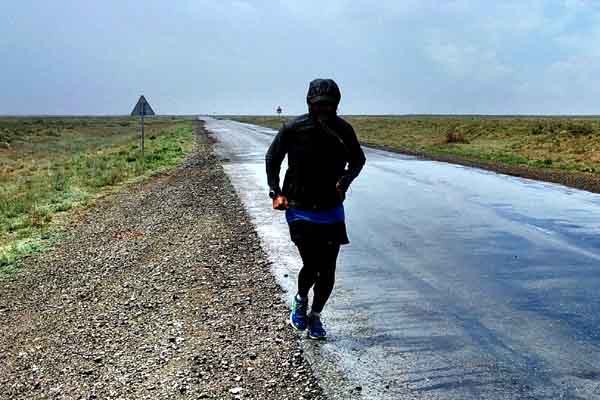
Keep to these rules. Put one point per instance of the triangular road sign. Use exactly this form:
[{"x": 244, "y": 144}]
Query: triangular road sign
[{"x": 142, "y": 107}]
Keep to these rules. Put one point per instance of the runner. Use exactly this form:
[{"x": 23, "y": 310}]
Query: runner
[{"x": 319, "y": 146}]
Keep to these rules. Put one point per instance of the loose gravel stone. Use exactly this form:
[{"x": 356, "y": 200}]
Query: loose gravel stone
[{"x": 160, "y": 291}]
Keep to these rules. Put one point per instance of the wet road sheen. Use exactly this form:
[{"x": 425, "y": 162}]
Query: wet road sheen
[{"x": 458, "y": 283}]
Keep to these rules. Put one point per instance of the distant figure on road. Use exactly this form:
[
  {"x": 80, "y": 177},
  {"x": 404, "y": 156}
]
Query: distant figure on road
[{"x": 319, "y": 146}]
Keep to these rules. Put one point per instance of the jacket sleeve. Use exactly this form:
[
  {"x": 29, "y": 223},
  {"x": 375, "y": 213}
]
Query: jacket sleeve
[
  {"x": 274, "y": 158},
  {"x": 356, "y": 159}
]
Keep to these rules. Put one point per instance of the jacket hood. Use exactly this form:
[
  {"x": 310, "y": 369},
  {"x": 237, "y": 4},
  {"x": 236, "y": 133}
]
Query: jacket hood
[{"x": 323, "y": 90}]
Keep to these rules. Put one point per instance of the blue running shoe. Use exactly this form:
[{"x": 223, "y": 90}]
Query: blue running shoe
[
  {"x": 315, "y": 328},
  {"x": 298, "y": 317}
]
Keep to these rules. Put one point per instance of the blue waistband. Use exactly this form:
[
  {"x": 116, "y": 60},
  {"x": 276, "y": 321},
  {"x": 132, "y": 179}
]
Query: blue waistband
[{"x": 330, "y": 216}]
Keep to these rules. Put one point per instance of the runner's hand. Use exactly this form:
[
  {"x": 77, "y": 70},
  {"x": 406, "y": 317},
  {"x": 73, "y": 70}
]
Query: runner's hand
[{"x": 280, "y": 203}]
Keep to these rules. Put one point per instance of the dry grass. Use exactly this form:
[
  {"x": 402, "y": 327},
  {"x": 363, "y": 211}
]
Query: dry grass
[{"x": 455, "y": 137}]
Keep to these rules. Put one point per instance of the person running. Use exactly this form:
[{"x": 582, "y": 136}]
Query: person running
[{"x": 324, "y": 157}]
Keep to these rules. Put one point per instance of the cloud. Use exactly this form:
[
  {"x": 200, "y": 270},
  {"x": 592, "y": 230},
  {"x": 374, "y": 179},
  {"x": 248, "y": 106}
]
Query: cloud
[{"x": 242, "y": 56}]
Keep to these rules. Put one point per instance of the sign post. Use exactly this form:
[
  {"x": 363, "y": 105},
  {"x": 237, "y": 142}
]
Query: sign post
[{"x": 142, "y": 108}]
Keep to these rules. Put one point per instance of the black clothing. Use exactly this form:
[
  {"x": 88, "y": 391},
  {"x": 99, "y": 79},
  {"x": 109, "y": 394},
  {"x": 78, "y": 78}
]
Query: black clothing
[
  {"x": 323, "y": 90},
  {"x": 307, "y": 233},
  {"x": 317, "y": 153},
  {"x": 319, "y": 270},
  {"x": 319, "y": 145}
]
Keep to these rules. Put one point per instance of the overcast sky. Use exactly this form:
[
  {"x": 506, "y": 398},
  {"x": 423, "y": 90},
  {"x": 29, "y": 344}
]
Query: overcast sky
[{"x": 247, "y": 57}]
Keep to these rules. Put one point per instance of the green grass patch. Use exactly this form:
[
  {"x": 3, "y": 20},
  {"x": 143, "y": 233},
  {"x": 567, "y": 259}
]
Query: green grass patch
[{"x": 50, "y": 166}]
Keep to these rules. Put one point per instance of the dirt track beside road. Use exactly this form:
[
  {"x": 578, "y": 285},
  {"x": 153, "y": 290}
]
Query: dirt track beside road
[{"x": 161, "y": 291}]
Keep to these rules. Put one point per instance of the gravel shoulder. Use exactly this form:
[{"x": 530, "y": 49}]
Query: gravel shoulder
[{"x": 160, "y": 291}]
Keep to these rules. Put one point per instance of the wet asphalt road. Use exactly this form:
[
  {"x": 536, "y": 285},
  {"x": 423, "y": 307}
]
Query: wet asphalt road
[{"x": 458, "y": 283}]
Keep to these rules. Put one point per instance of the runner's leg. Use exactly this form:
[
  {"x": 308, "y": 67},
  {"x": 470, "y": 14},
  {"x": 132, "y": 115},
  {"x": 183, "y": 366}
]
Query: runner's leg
[
  {"x": 307, "y": 274},
  {"x": 325, "y": 278}
]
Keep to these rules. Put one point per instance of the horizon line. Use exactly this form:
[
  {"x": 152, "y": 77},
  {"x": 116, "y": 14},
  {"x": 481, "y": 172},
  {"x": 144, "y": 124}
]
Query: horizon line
[{"x": 293, "y": 115}]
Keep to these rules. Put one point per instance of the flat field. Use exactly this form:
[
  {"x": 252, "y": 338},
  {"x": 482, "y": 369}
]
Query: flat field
[
  {"x": 554, "y": 143},
  {"x": 52, "y": 166}
]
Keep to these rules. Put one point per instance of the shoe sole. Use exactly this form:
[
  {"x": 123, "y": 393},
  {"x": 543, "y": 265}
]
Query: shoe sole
[
  {"x": 294, "y": 326},
  {"x": 317, "y": 337}
]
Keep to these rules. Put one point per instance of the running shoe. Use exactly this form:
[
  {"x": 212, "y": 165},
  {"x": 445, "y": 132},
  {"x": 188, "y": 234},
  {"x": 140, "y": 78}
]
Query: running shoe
[
  {"x": 315, "y": 328},
  {"x": 298, "y": 317}
]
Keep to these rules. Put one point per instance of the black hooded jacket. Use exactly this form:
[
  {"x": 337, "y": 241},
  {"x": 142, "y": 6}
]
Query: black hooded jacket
[{"x": 318, "y": 153}]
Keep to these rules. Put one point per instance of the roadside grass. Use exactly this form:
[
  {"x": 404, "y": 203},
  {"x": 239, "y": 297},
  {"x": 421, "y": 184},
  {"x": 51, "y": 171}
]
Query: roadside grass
[
  {"x": 558, "y": 143},
  {"x": 49, "y": 167}
]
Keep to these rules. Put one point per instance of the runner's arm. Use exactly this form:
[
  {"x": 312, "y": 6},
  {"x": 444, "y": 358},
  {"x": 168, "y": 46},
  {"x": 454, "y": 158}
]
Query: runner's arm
[
  {"x": 274, "y": 158},
  {"x": 356, "y": 159}
]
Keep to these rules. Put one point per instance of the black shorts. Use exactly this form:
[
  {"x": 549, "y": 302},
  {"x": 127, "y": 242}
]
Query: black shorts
[{"x": 305, "y": 232}]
